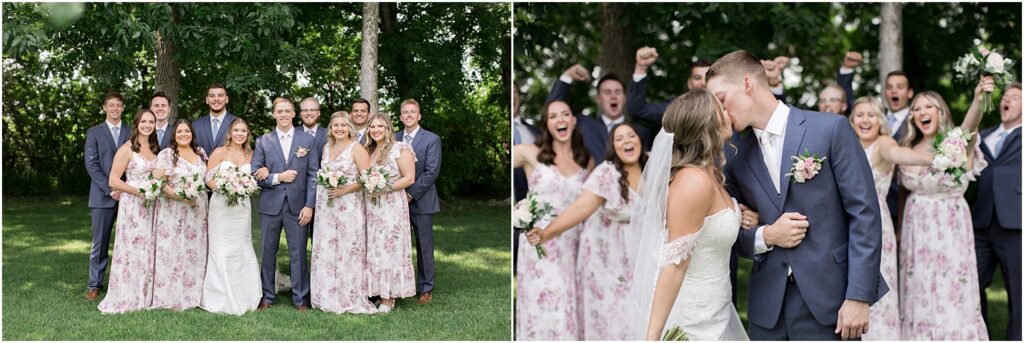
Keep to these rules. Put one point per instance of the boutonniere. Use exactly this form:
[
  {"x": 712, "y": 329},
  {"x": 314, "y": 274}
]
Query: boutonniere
[
  {"x": 805, "y": 167},
  {"x": 301, "y": 152}
]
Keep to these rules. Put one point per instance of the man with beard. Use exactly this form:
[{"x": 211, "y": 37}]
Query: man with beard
[{"x": 211, "y": 128}]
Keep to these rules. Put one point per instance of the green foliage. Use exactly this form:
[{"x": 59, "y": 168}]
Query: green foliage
[{"x": 259, "y": 51}]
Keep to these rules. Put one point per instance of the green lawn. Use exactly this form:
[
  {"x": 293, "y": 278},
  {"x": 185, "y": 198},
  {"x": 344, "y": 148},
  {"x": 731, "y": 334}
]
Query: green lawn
[{"x": 45, "y": 266}]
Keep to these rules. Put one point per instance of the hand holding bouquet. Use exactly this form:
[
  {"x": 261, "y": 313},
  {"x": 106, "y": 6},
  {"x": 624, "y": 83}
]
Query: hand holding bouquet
[
  {"x": 235, "y": 184},
  {"x": 375, "y": 180},
  {"x": 528, "y": 212},
  {"x": 331, "y": 178}
]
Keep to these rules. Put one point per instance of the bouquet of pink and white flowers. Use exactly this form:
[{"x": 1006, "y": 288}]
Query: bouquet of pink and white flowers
[
  {"x": 527, "y": 213},
  {"x": 235, "y": 184},
  {"x": 190, "y": 187},
  {"x": 331, "y": 178},
  {"x": 980, "y": 61},
  {"x": 951, "y": 155},
  {"x": 375, "y": 180},
  {"x": 150, "y": 190}
]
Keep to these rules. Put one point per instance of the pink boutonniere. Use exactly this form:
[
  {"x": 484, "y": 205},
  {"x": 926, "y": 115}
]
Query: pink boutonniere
[
  {"x": 805, "y": 167},
  {"x": 301, "y": 152}
]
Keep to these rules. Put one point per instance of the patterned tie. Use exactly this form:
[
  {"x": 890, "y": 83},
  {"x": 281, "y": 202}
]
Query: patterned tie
[
  {"x": 407, "y": 139},
  {"x": 216, "y": 128},
  {"x": 116, "y": 133},
  {"x": 311, "y": 132},
  {"x": 359, "y": 137},
  {"x": 999, "y": 144}
]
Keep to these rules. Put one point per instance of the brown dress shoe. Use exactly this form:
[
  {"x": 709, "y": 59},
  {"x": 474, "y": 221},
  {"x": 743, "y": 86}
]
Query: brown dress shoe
[
  {"x": 302, "y": 308},
  {"x": 263, "y": 306},
  {"x": 424, "y": 298},
  {"x": 92, "y": 294}
]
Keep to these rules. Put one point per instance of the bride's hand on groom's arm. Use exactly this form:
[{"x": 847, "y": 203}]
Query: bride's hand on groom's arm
[
  {"x": 261, "y": 173},
  {"x": 853, "y": 319},
  {"x": 788, "y": 231},
  {"x": 750, "y": 217}
]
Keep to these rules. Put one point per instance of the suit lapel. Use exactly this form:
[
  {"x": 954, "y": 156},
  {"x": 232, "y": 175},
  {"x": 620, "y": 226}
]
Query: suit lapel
[
  {"x": 756, "y": 164},
  {"x": 294, "y": 147},
  {"x": 791, "y": 147},
  {"x": 275, "y": 144},
  {"x": 984, "y": 147},
  {"x": 1008, "y": 146}
]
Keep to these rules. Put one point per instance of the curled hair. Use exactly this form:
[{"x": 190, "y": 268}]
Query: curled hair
[
  {"x": 617, "y": 162},
  {"x": 875, "y": 104},
  {"x": 346, "y": 119},
  {"x": 695, "y": 120},
  {"x": 914, "y": 135},
  {"x": 547, "y": 146},
  {"x": 154, "y": 145},
  {"x": 389, "y": 137},
  {"x": 191, "y": 144},
  {"x": 247, "y": 146}
]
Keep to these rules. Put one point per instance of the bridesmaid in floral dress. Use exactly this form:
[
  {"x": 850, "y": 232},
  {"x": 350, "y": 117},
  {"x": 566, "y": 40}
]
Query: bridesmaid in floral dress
[
  {"x": 938, "y": 268},
  {"x": 388, "y": 230},
  {"x": 339, "y": 247},
  {"x": 603, "y": 268},
  {"x": 180, "y": 237},
  {"x": 131, "y": 271},
  {"x": 556, "y": 165},
  {"x": 883, "y": 154}
]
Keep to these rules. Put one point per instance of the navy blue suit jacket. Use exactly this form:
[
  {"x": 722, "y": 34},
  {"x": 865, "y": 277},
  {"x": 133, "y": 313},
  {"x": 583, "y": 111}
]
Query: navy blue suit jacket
[
  {"x": 208, "y": 140},
  {"x": 100, "y": 149},
  {"x": 427, "y": 147},
  {"x": 296, "y": 194},
  {"x": 999, "y": 197},
  {"x": 840, "y": 256}
]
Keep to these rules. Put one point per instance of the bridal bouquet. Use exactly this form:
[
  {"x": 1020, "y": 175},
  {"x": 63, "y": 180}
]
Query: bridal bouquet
[
  {"x": 235, "y": 184},
  {"x": 375, "y": 180},
  {"x": 951, "y": 156},
  {"x": 190, "y": 187},
  {"x": 980, "y": 61},
  {"x": 675, "y": 334},
  {"x": 528, "y": 212},
  {"x": 150, "y": 190},
  {"x": 331, "y": 178}
]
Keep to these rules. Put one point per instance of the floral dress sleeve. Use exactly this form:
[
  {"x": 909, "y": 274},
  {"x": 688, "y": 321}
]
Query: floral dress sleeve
[
  {"x": 679, "y": 250},
  {"x": 163, "y": 162},
  {"x": 604, "y": 182},
  {"x": 399, "y": 147}
]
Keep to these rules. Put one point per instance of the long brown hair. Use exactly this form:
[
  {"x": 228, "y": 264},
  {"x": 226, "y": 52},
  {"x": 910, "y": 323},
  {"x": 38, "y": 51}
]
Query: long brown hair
[
  {"x": 389, "y": 137},
  {"x": 154, "y": 145},
  {"x": 913, "y": 135},
  {"x": 247, "y": 146},
  {"x": 695, "y": 121},
  {"x": 191, "y": 144},
  {"x": 546, "y": 141},
  {"x": 611, "y": 156}
]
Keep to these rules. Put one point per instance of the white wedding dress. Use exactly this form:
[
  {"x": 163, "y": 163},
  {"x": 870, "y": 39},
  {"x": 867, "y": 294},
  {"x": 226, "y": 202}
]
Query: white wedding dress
[
  {"x": 232, "y": 284},
  {"x": 703, "y": 308}
]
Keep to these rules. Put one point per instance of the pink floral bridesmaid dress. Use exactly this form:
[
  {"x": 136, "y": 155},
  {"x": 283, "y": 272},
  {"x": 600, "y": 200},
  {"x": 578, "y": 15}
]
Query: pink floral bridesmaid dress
[
  {"x": 131, "y": 270},
  {"x": 339, "y": 246},
  {"x": 546, "y": 287},
  {"x": 885, "y": 313},
  {"x": 389, "y": 272},
  {"x": 180, "y": 239}
]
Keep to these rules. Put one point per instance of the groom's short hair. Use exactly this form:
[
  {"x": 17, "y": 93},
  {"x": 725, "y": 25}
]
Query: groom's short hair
[{"x": 736, "y": 64}]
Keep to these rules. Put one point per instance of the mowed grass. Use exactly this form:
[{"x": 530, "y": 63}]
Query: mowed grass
[{"x": 45, "y": 270}]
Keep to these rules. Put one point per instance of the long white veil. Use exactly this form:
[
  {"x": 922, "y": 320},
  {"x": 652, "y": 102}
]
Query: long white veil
[{"x": 646, "y": 233}]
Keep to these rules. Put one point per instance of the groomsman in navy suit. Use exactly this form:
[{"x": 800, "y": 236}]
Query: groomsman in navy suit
[
  {"x": 161, "y": 108},
  {"x": 422, "y": 195},
  {"x": 898, "y": 93},
  {"x": 360, "y": 114},
  {"x": 211, "y": 128},
  {"x": 101, "y": 143},
  {"x": 287, "y": 199},
  {"x": 309, "y": 113},
  {"x": 996, "y": 212}
]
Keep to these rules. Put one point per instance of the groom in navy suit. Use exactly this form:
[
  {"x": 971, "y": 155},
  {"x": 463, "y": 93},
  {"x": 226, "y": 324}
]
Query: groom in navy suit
[
  {"x": 816, "y": 262},
  {"x": 101, "y": 143},
  {"x": 287, "y": 198},
  {"x": 997, "y": 208},
  {"x": 422, "y": 195},
  {"x": 211, "y": 128}
]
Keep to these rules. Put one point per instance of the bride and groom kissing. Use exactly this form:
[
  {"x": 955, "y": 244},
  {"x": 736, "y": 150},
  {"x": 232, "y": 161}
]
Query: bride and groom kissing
[{"x": 817, "y": 248}]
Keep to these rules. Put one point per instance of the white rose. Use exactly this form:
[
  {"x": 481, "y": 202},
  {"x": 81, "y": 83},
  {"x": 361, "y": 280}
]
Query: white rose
[
  {"x": 799, "y": 165},
  {"x": 994, "y": 63},
  {"x": 523, "y": 215},
  {"x": 940, "y": 162}
]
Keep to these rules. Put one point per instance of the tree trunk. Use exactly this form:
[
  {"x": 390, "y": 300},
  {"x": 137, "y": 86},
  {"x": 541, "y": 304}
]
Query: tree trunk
[
  {"x": 890, "y": 46},
  {"x": 398, "y": 54},
  {"x": 616, "y": 54},
  {"x": 168, "y": 71},
  {"x": 368, "y": 60}
]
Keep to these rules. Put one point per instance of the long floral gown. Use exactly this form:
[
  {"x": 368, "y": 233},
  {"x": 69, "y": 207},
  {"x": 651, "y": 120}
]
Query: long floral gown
[
  {"x": 885, "y": 313},
  {"x": 339, "y": 246},
  {"x": 131, "y": 270},
  {"x": 181, "y": 240},
  {"x": 389, "y": 269},
  {"x": 546, "y": 287}
]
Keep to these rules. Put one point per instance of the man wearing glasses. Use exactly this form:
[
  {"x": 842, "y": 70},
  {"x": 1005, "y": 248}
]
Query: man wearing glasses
[{"x": 309, "y": 112}]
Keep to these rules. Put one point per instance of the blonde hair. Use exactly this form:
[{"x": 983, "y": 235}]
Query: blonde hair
[
  {"x": 410, "y": 102},
  {"x": 389, "y": 137},
  {"x": 735, "y": 64},
  {"x": 875, "y": 104},
  {"x": 347, "y": 120},
  {"x": 695, "y": 121},
  {"x": 913, "y": 135},
  {"x": 280, "y": 100}
]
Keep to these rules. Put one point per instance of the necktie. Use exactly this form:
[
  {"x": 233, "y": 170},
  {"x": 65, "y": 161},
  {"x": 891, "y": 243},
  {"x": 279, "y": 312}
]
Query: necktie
[
  {"x": 216, "y": 128},
  {"x": 285, "y": 144},
  {"x": 159, "y": 136},
  {"x": 999, "y": 144},
  {"x": 116, "y": 133},
  {"x": 610, "y": 127},
  {"x": 407, "y": 139},
  {"x": 359, "y": 137},
  {"x": 771, "y": 161},
  {"x": 892, "y": 123},
  {"x": 515, "y": 136},
  {"x": 311, "y": 132}
]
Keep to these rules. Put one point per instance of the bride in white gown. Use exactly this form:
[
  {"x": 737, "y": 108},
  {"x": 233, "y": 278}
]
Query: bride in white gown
[
  {"x": 682, "y": 255},
  {"x": 232, "y": 283}
]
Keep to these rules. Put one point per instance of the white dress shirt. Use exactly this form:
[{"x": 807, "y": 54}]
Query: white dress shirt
[
  {"x": 771, "y": 139},
  {"x": 409, "y": 136},
  {"x": 285, "y": 138},
  {"x": 993, "y": 138}
]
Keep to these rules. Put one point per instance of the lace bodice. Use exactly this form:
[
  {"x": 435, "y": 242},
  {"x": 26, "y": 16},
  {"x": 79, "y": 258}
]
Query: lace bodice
[{"x": 709, "y": 247}]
